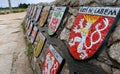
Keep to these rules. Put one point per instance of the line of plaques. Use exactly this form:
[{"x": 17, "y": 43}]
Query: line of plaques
[{"x": 89, "y": 33}]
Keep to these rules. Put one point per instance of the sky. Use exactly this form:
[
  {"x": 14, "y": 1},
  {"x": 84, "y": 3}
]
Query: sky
[{"x": 15, "y": 3}]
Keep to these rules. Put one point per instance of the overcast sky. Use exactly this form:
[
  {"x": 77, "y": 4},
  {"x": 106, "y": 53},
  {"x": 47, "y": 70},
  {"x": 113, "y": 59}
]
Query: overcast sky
[{"x": 15, "y": 3}]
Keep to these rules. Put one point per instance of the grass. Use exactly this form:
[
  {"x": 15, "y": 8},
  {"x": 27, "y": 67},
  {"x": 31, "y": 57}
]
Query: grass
[
  {"x": 7, "y": 11},
  {"x": 28, "y": 44}
]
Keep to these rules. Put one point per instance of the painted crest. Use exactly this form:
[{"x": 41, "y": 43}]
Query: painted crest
[
  {"x": 90, "y": 29},
  {"x": 37, "y": 16},
  {"x": 34, "y": 11},
  {"x": 41, "y": 41},
  {"x": 44, "y": 15},
  {"x": 56, "y": 19},
  {"x": 29, "y": 31},
  {"x": 52, "y": 61},
  {"x": 34, "y": 34}
]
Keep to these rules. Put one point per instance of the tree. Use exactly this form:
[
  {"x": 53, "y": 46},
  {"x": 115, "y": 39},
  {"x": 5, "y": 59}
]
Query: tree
[{"x": 9, "y": 2}]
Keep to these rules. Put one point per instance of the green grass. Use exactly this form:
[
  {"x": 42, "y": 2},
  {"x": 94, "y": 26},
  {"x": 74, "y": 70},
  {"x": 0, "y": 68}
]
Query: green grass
[
  {"x": 7, "y": 11},
  {"x": 28, "y": 44}
]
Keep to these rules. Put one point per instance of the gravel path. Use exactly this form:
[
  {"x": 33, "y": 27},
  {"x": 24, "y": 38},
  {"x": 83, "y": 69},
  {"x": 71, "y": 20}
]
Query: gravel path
[{"x": 13, "y": 58}]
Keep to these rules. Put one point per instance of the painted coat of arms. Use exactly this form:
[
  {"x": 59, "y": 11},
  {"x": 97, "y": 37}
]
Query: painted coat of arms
[
  {"x": 39, "y": 10},
  {"x": 44, "y": 15},
  {"x": 34, "y": 34},
  {"x": 90, "y": 29},
  {"x": 52, "y": 61},
  {"x": 56, "y": 19},
  {"x": 41, "y": 41}
]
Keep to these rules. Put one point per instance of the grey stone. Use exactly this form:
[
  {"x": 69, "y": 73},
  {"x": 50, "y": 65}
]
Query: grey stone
[
  {"x": 118, "y": 2},
  {"x": 103, "y": 57},
  {"x": 74, "y": 2},
  {"x": 104, "y": 67},
  {"x": 64, "y": 34},
  {"x": 85, "y": 2},
  {"x": 114, "y": 52},
  {"x": 106, "y": 2},
  {"x": 116, "y": 33},
  {"x": 70, "y": 22},
  {"x": 115, "y": 71},
  {"x": 94, "y": 4},
  {"x": 65, "y": 69},
  {"x": 73, "y": 11}
]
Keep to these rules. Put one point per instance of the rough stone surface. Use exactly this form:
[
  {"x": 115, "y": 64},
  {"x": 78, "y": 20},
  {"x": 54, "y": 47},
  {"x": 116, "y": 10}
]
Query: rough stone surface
[
  {"x": 85, "y": 2},
  {"x": 13, "y": 58},
  {"x": 70, "y": 22},
  {"x": 115, "y": 71},
  {"x": 116, "y": 33},
  {"x": 73, "y": 11},
  {"x": 104, "y": 66},
  {"x": 114, "y": 52},
  {"x": 74, "y": 2},
  {"x": 118, "y": 2},
  {"x": 107, "y": 2},
  {"x": 64, "y": 34}
]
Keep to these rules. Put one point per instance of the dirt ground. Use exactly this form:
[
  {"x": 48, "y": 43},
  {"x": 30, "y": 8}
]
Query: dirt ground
[{"x": 13, "y": 57}]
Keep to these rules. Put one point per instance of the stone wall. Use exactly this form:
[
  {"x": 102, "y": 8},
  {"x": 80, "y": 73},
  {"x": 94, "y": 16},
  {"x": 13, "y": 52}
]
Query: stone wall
[{"x": 108, "y": 59}]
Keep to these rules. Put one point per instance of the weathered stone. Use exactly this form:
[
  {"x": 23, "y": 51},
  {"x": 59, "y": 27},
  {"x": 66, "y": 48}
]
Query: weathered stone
[
  {"x": 65, "y": 69},
  {"x": 94, "y": 4},
  {"x": 115, "y": 71},
  {"x": 73, "y": 11},
  {"x": 85, "y": 2},
  {"x": 60, "y": 2},
  {"x": 106, "y": 2},
  {"x": 104, "y": 67},
  {"x": 118, "y": 2},
  {"x": 74, "y": 2},
  {"x": 103, "y": 57},
  {"x": 116, "y": 33},
  {"x": 114, "y": 52},
  {"x": 70, "y": 22},
  {"x": 64, "y": 34}
]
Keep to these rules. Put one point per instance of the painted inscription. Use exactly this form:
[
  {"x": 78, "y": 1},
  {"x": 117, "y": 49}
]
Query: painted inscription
[
  {"x": 89, "y": 31},
  {"x": 56, "y": 20},
  {"x": 52, "y": 61}
]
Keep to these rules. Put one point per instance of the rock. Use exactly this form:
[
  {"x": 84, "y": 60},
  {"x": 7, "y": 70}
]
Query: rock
[
  {"x": 73, "y": 11},
  {"x": 116, "y": 33},
  {"x": 104, "y": 67},
  {"x": 118, "y": 2},
  {"x": 64, "y": 34},
  {"x": 114, "y": 52},
  {"x": 74, "y": 2},
  {"x": 70, "y": 22},
  {"x": 103, "y": 57},
  {"x": 65, "y": 69},
  {"x": 85, "y": 2},
  {"x": 60, "y": 2},
  {"x": 106, "y": 2},
  {"x": 115, "y": 71},
  {"x": 94, "y": 4}
]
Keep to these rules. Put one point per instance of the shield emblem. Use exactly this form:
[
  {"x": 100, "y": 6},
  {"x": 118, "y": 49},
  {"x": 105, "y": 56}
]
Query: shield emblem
[
  {"x": 34, "y": 11},
  {"x": 29, "y": 31},
  {"x": 52, "y": 61},
  {"x": 90, "y": 30},
  {"x": 37, "y": 16},
  {"x": 56, "y": 19},
  {"x": 34, "y": 34},
  {"x": 40, "y": 43},
  {"x": 44, "y": 15}
]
